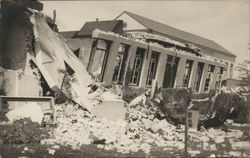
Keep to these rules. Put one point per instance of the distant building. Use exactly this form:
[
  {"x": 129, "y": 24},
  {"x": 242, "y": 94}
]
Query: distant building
[
  {"x": 136, "y": 50},
  {"x": 240, "y": 70}
]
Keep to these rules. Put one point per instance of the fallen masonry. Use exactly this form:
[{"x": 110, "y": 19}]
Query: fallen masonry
[{"x": 141, "y": 130}]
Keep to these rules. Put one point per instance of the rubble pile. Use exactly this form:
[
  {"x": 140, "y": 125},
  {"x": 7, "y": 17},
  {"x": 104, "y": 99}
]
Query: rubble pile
[
  {"x": 141, "y": 130},
  {"x": 145, "y": 127},
  {"x": 150, "y": 125},
  {"x": 216, "y": 107},
  {"x": 231, "y": 105},
  {"x": 98, "y": 93}
]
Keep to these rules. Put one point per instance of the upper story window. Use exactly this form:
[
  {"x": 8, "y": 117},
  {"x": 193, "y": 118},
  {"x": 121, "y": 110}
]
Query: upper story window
[
  {"x": 120, "y": 64},
  {"x": 136, "y": 71},
  {"x": 188, "y": 69},
  {"x": 219, "y": 78},
  {"x": 152, "y": 67},
  {"x": 170, "y": 71}
]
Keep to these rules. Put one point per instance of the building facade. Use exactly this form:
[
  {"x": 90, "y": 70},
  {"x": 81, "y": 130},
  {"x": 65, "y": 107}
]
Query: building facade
[{"x": 135, "y": 50}]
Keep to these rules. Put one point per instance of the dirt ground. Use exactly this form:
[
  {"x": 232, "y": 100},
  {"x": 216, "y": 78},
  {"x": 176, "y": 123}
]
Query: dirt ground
[{"x": 92, "y": 151}]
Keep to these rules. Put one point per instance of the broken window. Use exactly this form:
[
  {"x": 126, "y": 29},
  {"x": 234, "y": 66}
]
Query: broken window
[
  {"x": 152, "y": 68},
  {"x": 219, "y": 78},
  {"x": 98, "y": 59},
  {"x": 198, "y": 76},
  {"x": 209, "y": 77},
  {"x": 136, "y": 72},
  {"x": 188, "y": 69},
  {"x": 77, "y": 52},
  {"x": 170, "y": 71},
  {"x": 69, "y": 70},
  {"x": 120, "y": 63}
]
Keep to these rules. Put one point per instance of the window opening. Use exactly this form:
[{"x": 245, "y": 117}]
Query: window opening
[
  {"x": 188, "y": 70},
  {"x": 120, "y": 64},
  {"x": 219, "y": 78},
  {"x": 209, "y": 77},
  {"x": 170, "y": 71},
  {"x": 152, "y": 68},
  {"x": 136, "y": 71},
  {"x": 98, "y": 59}
]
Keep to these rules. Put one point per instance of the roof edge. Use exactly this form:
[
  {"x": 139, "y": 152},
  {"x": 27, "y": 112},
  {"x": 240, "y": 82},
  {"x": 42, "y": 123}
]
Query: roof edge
[{"x": 228, "y": 53}]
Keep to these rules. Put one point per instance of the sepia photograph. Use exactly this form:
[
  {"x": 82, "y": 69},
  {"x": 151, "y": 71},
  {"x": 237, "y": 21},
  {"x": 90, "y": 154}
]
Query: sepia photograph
[{"x": 124, "y": 78}]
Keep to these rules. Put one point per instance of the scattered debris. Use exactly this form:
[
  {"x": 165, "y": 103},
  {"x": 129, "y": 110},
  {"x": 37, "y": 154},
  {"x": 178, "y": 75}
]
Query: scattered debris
[
  {"x": 235, "y": 153},
  {"x": 109, "y": 96},
  {"x": 51, "y": 151},
  {"x": 56, "y": 147},
  {"x": 194, "y": 152},
  {"x": 241, "y": 145},
  {"x": 26, "y": 149}
]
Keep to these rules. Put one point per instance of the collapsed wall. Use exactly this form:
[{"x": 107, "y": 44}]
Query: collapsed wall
[
  {"x": 58, "y": 64},
  {"x": 17, "y": 42},
  {"x": 29, "y": 39},
  {"x": 231, "y": 106},
  {"x": 217, "y": 106}
]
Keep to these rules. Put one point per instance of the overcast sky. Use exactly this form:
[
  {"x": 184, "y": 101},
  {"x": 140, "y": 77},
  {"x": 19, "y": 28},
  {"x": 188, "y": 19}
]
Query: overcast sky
[{"x": 225, "y": 22}]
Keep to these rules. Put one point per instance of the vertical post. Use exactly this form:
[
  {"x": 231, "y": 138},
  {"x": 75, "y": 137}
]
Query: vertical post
[
  {"x": 1, "y": 107},
  {"x": 229, "y": 70},
  {"x": 203, "y": 78},
  {"x": 153, "y": 89},
  {"x": 145, "y": 67},
  {"x": 214, "y": 78},
  {"x": 186, "y": 130},
  {"x": 110, "y": 66},
  {"x": 186, "y": 122},
  {"x": 180, "y": 72},
  {"x": 54, "y": 16},
  {"x": 86, "y": 51},
  {"x": 159, "y": 77},
  {"x": 130, "y": 62},
  {"x": 193, "y": 75},
  {"x": 54, "y": 20}
]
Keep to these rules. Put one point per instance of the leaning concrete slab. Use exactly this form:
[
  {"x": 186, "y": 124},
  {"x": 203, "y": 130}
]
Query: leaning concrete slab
[{"x": 49, "y": 44}]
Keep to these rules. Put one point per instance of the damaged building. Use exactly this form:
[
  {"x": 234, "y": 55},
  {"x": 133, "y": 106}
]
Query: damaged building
[
  {"x": 120, "y": 85},
  {"x": 136, "y": 50}
]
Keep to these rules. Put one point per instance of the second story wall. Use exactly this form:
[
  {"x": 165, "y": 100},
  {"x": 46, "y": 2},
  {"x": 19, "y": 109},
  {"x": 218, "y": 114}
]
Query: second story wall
[{"x": 146, "y": 60}]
